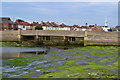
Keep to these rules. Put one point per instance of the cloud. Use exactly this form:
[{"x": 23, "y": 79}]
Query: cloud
[{"x": 67, "y": 12}]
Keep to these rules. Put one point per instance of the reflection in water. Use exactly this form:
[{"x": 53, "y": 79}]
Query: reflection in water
[
  {"x": 13, "y": 52},
  {"x": 13, "y": 55}
]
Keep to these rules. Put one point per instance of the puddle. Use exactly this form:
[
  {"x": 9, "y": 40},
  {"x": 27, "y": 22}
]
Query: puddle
[{"x": 14, "y": 52}]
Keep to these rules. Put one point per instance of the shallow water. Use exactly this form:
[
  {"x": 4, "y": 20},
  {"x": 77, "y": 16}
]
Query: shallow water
[{"x": 13, "y": 52}]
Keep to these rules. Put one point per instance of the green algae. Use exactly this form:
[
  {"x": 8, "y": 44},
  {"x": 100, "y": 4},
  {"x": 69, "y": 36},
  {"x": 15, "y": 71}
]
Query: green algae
[
  {"x": 107, "y": 59},
  {"x": 28, "y": 74},
  {"x": 89, "y": 70},
  {"x": 80, "y": 72},
  {"x": 18, "y": 44},
  {"x": 20, "y": 61}
]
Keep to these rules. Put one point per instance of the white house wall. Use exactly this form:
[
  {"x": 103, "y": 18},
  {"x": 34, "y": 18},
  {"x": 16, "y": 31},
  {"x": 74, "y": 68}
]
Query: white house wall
[
  {"x": 67, "y": 28},
  {"x": 22, "y": 27},
  {"x": 44, "y": 27},
  {"x": 83, "y": 29},
  {"x": 55, "y": 28},
  {"x": 105, "y": 29}
]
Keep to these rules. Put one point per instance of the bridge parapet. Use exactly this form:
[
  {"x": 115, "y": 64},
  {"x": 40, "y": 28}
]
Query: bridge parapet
[
  {"x": 53, "y": 33},
  {"x": 28, "y": 32}
]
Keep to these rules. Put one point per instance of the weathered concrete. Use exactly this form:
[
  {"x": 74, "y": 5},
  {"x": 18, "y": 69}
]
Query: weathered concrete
[
  {"x": 62, "y": 37},
  {"x": 102, "y": 38},
  {"x": 53, "y": 33},
  {"x": 9, "y": 35}
]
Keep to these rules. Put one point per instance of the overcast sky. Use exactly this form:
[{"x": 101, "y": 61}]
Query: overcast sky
[{"x": 63, "y": 12}]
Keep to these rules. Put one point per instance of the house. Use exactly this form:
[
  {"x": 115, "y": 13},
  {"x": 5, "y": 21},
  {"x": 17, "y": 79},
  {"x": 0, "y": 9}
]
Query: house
[
  {"x": 96, "y": 28},
  {"x": 114, "y": 29},
  {"x": 106, "y": 28},
  {"x": 85, "y": 28},
  {"x": 34, "y": 24},
  {"x": 23, "y": 25},
  {"x": 64, "y": 27},
  {"x": 46, "y": 26},
  {"x": 118, "y": 27},
  {"x": 75, "y": 28},
  {"x": 54, "y": 26},
  {"x": 7, "y": 24}
]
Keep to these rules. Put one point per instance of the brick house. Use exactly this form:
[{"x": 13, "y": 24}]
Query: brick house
[
  {"x": 96, "y": 28},
  {"x": 7, "y": 24}
]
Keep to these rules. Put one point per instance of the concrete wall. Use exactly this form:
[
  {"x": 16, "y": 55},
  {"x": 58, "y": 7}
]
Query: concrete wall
[
  {"x": 107, "y": 38},
  {"x": 102, "y": 36},
  {"x": 53, "y": 33},
  {"x": 8, "y": 35},
  {"x": 58, "y": 37}
]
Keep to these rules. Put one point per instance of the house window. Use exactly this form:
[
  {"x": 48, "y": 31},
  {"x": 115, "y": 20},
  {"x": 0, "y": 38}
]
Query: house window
[
  {"x": 23, "y": 26},
  {"x": 46, "y": 37},
  {"x": 71, "y": 38}
]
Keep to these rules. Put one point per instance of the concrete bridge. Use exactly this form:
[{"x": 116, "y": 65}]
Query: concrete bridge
[
  {"x": 56, "y": 37},
  {"x": 52, "y": 33},
  {"x": 53, "y": 37}
]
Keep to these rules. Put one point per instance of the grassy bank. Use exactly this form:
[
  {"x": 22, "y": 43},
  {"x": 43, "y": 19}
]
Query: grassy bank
[
  {"x": 78, "y": 62},
  {"x": 18, "y": 44}
]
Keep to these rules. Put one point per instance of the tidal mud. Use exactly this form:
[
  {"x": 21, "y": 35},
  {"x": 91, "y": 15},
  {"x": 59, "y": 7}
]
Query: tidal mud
[{"x": 78, "y": 62}]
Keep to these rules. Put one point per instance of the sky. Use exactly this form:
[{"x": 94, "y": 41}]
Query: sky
[
  {"x": 60, "y": 0},
  {"x": 70, "y": 13}
]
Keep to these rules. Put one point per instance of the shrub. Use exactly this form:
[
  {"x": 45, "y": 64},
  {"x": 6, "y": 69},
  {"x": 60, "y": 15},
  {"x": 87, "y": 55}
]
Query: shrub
[{"x": 38, "y": 28}]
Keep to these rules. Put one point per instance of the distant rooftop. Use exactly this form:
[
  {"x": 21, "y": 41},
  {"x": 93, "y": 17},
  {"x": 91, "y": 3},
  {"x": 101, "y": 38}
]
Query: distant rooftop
[{"x": 5, "y": 20}]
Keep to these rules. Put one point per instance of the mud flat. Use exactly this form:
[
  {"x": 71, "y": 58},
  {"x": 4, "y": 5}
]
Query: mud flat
[{"x": 78, "y": 62}]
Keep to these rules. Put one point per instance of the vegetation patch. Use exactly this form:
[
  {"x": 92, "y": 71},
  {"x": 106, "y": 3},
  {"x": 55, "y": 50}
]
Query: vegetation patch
[
  {"x": 20, "y": 61},
  {"x": 78, "y": 62}
]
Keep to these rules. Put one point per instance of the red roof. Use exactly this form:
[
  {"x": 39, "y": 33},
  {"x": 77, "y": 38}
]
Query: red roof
[
  {"x": 76, "y": 26},
  {"x": 85, "y": 27},
  {"x": 23, "y": 23},
  {"x": 35, "y": 24}
]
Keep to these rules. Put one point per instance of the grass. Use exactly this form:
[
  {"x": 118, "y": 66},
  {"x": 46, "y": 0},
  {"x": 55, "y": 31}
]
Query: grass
[{"x": 17, "y": 44}]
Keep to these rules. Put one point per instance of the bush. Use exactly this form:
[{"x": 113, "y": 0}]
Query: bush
[{"x": 38, "y": 28}]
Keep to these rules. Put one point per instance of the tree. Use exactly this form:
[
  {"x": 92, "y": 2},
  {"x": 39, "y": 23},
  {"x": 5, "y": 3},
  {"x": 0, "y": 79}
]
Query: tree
[
  {"x": 38, "y": 28},
  {"x": 19, "y": 20}
]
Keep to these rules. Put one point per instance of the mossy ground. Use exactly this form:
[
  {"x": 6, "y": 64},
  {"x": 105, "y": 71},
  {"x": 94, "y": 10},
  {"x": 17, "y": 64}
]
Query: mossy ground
[
  {"x": 18, "y": 44},
  {"x": 78, "y": 62}
]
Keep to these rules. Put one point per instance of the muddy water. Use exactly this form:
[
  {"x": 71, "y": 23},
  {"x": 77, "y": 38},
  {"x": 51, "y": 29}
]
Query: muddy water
[
  {"x": 13, "y": 52},
  {"x": 56, "y": 59}
]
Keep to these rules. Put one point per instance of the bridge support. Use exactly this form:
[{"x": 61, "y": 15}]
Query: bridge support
[
  {"x": 36, "y": 36},
  {"x": 19, "y": 35},
  {"x": 85, "y": 38}
]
